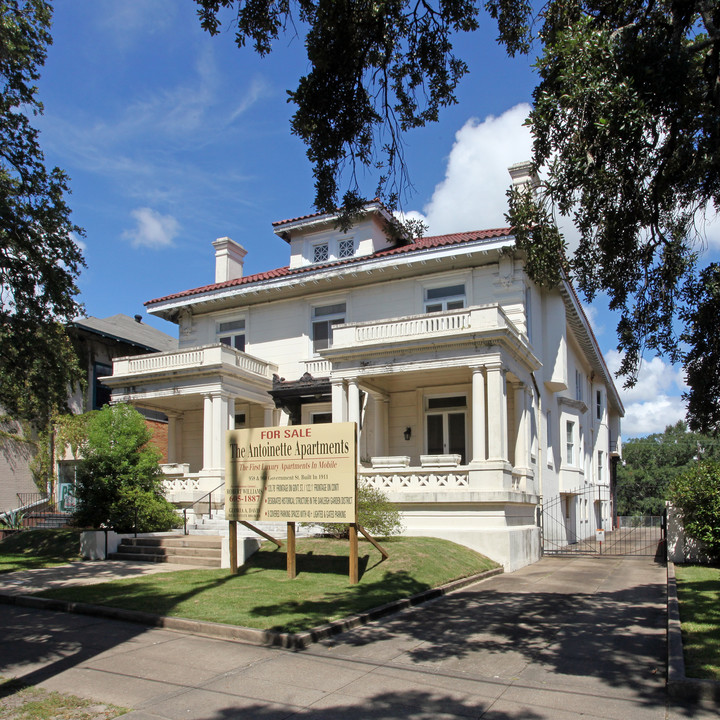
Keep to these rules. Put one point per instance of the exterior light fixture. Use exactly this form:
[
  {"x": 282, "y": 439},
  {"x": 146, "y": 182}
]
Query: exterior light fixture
[{"x": 407, "y": 433}]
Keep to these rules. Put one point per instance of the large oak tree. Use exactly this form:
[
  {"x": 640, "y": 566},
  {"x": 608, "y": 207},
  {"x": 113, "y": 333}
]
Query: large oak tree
[
  {"x": 625, "y": 124},
  {"x": 39, "y": 260}
]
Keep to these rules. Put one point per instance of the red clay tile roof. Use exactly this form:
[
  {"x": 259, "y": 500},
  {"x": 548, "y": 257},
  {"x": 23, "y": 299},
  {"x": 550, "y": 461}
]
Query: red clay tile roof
[
  {"x": 371, "y": 203},
  {"x": 420, "y": 244}
]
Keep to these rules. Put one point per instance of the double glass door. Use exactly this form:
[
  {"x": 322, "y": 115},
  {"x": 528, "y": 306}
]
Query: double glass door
[{"x": 445, "y": 424}]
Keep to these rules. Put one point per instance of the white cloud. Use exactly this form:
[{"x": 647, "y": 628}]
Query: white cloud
[
  {"x": 653, "y": 416},
  {"x": 655, "y": 378},
  {"x": 79, "y": 242},
  {"x": 472, "y": 195},
  {"x": 153, "y": 229},
  {"x": 654, "y": 402}
]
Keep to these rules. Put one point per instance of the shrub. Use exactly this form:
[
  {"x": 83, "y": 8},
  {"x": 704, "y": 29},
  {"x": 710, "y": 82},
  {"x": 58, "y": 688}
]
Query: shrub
[
  {"x": 375, "y": 513},
  {"x": 696, "y": 493},
  {"x": 119, "y": 481}
]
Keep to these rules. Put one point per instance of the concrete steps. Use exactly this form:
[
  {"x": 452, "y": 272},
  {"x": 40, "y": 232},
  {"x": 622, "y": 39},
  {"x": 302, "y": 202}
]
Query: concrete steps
[{"x": 202, "y": 551}]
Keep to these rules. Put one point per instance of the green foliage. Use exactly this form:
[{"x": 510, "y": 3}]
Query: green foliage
[
  {"x": 650, "y": 465},
  {"x": 696, "y": 493},
  {"x": 62, "y": 432},
  {"x": 376, "y": 71},
  {"x": 12, "y": 520},
  {"x": 375, "y": 513},
  {"x": 39, "y": 261},
  {"x": 119, "y": 481},
  {"x": 625, "y": 127}
]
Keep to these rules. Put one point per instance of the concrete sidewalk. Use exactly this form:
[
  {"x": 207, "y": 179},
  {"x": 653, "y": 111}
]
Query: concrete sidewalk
[{"x": 560, "y": 639}]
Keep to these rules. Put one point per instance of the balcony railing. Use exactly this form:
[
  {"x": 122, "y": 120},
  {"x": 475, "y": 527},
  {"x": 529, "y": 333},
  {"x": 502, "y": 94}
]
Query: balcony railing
[
  {"x": 435, "y": 325},
  {"x": 207, "y": 356}
]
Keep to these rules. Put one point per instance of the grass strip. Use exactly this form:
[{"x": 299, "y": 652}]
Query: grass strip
[
  {"x": 698, "y": 589},
  {"x": 262, "y": 596},
  {"x": 31, "y": 549},
  {"x": 19, "y": 701}
]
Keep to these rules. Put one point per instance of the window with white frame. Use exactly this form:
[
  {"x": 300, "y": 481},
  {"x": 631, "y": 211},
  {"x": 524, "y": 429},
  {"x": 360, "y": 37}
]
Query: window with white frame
[
  {"x": 600, "y": 466},
  {"x": 321, "y": 252},
  {"x": 598, "y": 404},
  {"x": 440, "y": 299},
  {"x": 570, "y": 442},
  {"x": 324, "y": 317},
  {"x": 232, "y": 333},
  {"x": 579, "y": 380}
]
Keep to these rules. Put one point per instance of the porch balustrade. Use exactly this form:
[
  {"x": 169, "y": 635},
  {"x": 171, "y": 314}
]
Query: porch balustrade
[
  {"x": 416, "y": 479},
  {"x": 206, "y": 356}
]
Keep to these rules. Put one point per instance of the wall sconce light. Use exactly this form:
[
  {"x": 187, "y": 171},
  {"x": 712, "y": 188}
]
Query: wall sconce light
[{"x": 407, "y": 433}]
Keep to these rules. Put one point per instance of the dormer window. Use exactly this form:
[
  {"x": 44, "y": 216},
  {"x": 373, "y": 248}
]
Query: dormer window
[{"x": 321, "y": 253}]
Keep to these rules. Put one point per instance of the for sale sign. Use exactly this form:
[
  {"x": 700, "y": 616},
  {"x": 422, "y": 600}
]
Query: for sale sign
[{"x": 297, "y": 473}]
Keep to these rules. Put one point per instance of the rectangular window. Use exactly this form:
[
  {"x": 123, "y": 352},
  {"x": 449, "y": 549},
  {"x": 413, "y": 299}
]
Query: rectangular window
[
  {"x": 600, "y": 466},
  {"x": 240, "y": 421},
  {"x": 528, "y": 313},
  {"x": 445, "y": 298},
  {"x": 570, "y": 442},
  {"x": 548, "y": 426},
  {"x": 598, "y": 404},
  {"x": 232, "y": 333},
  {"x": 346, "y": 248},
  {"x": 323, "y": 319},
  {"x": 101, "y": 393},
  {"x": 578, "y": 385},
  {"x": 318, "y": 418},
  {"x": 321, "y": 253}
]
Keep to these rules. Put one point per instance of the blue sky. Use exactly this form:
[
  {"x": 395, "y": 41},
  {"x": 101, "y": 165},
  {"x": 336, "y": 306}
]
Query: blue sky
[{"x": 172, "y": 139}]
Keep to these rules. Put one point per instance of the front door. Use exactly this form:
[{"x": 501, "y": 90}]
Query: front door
[{"x": 445, "y": 426}]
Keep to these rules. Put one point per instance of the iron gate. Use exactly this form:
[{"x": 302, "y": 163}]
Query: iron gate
[{"x": 581, "y": 522}]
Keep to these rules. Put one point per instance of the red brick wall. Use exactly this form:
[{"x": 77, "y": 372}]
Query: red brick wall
[{"x": 159, "y": 431}]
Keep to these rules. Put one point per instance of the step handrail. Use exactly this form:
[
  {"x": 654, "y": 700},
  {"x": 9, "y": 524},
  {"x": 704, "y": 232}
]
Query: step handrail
[{"x": 199, "y": 500}]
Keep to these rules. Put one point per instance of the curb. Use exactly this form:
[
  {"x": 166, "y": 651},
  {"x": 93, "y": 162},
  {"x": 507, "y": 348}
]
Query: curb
[
  {"x": 251, "y": 636},
  {"x": 680, "y": 687}
]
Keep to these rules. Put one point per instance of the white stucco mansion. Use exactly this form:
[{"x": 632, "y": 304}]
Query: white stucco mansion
[{"x": 475, "y": 392}]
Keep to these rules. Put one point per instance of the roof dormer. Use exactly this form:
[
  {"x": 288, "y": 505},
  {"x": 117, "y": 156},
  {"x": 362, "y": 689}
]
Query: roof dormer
[{"x": 316, "y": 239}]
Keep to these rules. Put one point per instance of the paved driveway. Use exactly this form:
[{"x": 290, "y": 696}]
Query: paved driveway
[{"x": 563, "y": 638}]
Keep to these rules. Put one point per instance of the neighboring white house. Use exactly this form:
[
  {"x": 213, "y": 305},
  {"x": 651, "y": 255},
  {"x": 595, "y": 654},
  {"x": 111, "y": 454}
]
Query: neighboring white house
[{"x": 475, "y": 392}]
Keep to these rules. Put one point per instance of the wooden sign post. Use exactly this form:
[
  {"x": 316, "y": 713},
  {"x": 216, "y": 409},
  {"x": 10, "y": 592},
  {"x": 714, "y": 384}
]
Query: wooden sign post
[{"x": 291, "y": 566}]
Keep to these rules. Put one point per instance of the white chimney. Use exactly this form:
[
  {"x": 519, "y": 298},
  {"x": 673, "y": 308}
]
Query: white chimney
[
  {"x": 522, "y": 174},
  {"x": 229, "y": 258}
]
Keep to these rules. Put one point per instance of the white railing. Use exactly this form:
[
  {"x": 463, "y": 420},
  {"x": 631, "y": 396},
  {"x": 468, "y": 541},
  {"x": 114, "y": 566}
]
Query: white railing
[
  {"x": 318, "y": 368},
  {"x": 416, "y": 480},
  {"x": 164, "y": 361},
  {"x": 435, "y": 325},
  {"x": 193, "y": 358}
]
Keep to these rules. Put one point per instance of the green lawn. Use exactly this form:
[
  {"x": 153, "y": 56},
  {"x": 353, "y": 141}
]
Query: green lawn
[
  {"x": 698, "y": 589},
  {"x": 262, "y": 596},
  {"x": 30, "y": 549}
]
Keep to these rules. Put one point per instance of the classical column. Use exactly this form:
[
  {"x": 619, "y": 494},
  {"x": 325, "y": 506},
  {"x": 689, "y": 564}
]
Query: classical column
[
  {"x": 339, "y": 401},
  {"x": 521, "y": 427},
  {"x": 172, "y": 456},
  {"x": 231, "y": 413},
  {"x": 497, "y": 413},
  {"x": 382, "y": 415},
  {"x": 479, "y": 450},
  {"x": 220, "y": 427},
  {"x": 207, "y": 432},
  {"x": 353, "y": 393},
  {"x": 269, "y": 416}
]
